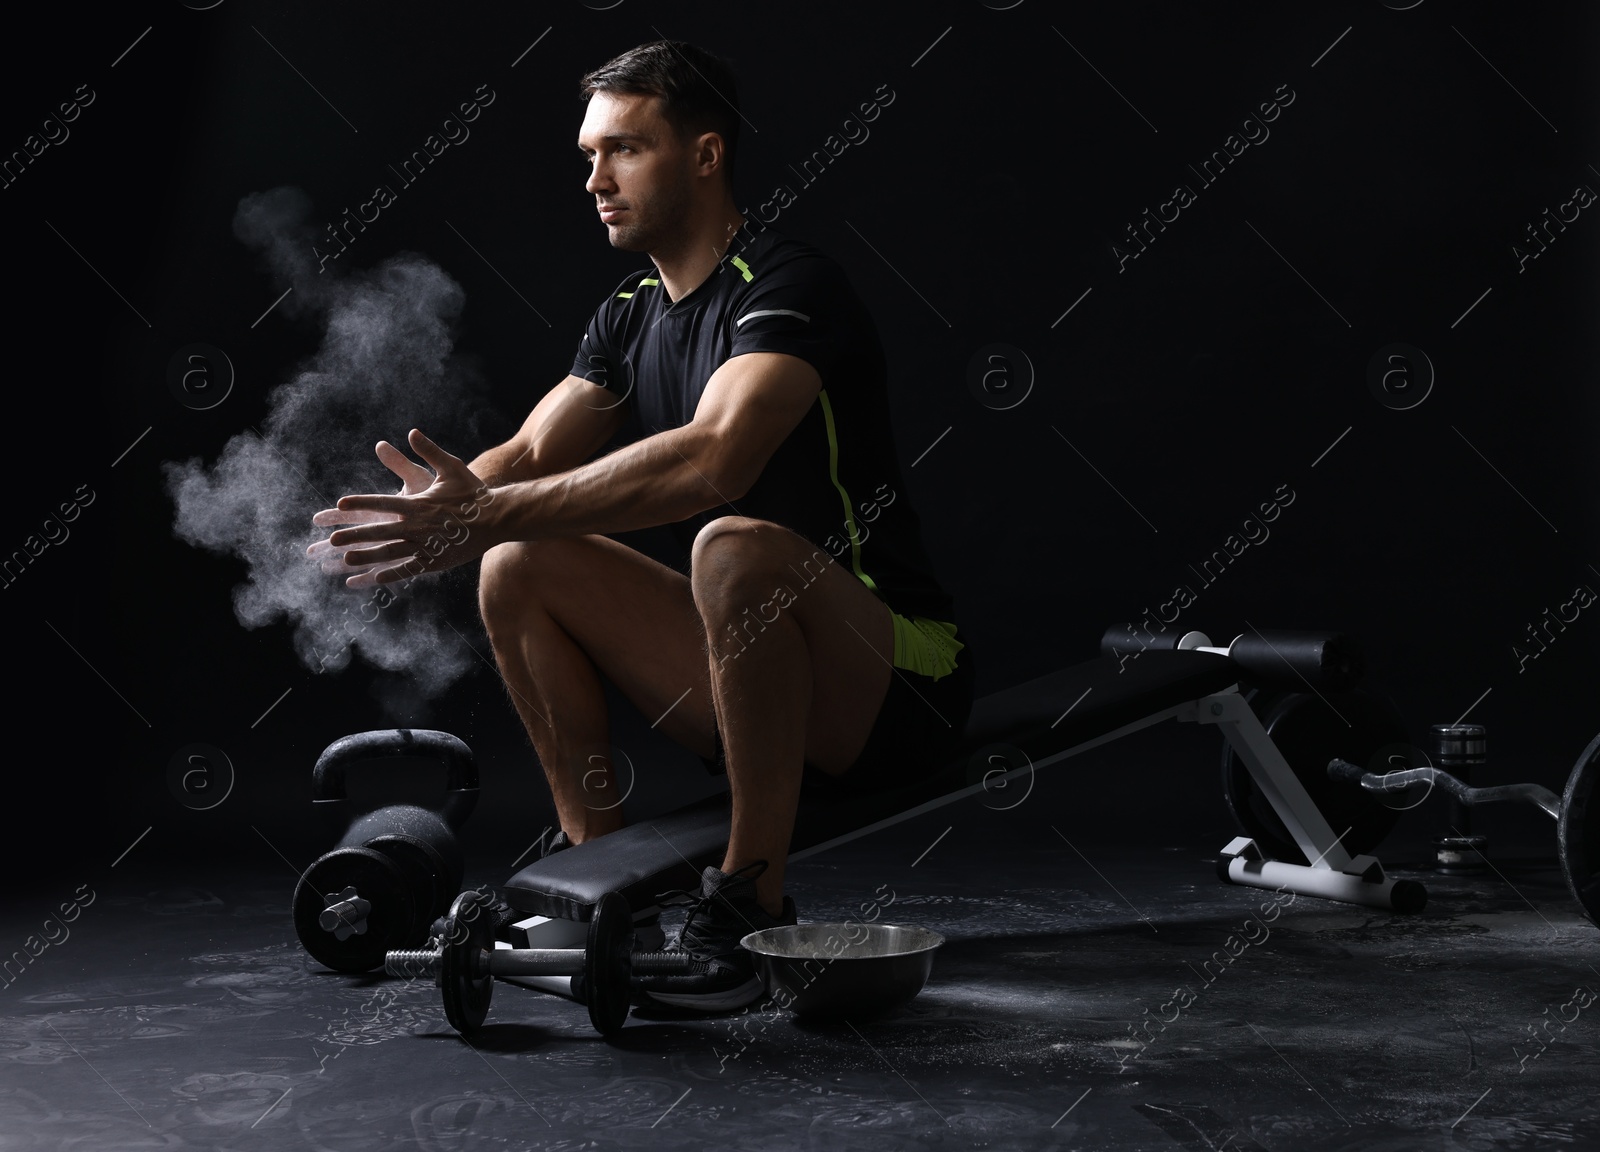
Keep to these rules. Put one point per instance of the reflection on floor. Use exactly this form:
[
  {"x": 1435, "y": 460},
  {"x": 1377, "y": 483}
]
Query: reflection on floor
[{"x": 1109, "y": 999}]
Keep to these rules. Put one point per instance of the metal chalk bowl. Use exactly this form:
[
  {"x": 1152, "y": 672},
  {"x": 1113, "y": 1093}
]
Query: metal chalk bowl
[{"x": 843, "y": 969}]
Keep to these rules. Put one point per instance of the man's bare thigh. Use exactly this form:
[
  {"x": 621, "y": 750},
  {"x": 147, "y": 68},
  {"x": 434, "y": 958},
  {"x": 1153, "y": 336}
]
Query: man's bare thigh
[
  {"x": 847, "y": 628},
  {"x": 633, "y": 616}
]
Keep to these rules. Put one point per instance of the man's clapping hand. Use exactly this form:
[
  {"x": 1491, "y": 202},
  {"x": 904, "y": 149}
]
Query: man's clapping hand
[{"x": 434, "y": 522}]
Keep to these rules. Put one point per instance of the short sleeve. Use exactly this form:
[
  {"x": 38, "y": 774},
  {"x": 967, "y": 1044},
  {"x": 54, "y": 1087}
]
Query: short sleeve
[
  {"x": 597, "y": 360},
  {"x": 798, "y": 309}
]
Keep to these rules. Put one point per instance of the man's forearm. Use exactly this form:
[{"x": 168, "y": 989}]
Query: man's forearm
[
  {"x": 504, "y": 464},
  {"x": 660, "y": 479}
]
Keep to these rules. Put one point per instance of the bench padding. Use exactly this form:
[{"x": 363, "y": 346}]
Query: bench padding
[{"x": 669, "y": 851}]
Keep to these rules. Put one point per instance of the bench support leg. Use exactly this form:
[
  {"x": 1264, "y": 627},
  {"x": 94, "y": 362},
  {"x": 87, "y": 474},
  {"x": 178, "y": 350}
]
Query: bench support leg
[{"x": 1332, "y": 874}]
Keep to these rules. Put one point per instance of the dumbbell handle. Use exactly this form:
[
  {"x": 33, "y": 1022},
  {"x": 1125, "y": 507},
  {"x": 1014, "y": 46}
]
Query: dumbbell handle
[
  {"x": 1535, "y": 794},
  {"x": 570, "y": 961},
  {"x": 532, "y": 962}
]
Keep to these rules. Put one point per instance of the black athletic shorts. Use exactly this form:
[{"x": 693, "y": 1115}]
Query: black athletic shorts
[{"x": 919, "y": 729}]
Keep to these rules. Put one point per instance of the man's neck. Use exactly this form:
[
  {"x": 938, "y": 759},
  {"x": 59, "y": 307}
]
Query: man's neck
[{"x": 685, "y": 269}]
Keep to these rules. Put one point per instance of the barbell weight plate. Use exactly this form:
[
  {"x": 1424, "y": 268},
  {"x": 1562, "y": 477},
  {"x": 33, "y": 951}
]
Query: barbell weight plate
[
  {"x": 1578, "y": 831},
  {"x": 465, "y": 983},
  {"x": 1310, "y": 730},
  {"x": 377, "y": 880},
  {"x": 608, "y": 964}
]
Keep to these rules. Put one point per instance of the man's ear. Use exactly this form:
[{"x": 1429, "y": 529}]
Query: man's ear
[{"x": 709, "y": 148}]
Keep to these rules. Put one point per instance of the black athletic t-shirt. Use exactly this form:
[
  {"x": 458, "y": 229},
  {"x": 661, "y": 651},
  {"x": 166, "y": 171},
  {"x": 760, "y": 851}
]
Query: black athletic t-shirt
[{"x": 836, "y": 479}]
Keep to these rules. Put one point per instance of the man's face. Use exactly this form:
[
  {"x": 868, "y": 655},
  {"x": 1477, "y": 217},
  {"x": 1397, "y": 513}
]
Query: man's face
[{"x": 640, "y": 173}]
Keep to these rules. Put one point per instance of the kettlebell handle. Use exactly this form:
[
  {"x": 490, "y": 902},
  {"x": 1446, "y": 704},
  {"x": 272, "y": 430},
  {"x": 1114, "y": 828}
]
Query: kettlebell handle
[{"x": 460, "y": 769}]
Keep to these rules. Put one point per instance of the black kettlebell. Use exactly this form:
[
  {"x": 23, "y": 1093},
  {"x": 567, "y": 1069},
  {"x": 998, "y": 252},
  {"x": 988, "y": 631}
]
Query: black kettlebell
[{"x": 396, "y": 868}]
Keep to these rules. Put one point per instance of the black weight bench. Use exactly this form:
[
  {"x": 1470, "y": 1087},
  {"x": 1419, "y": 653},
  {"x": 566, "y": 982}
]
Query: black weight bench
[{"x": 1009, "y": 735}]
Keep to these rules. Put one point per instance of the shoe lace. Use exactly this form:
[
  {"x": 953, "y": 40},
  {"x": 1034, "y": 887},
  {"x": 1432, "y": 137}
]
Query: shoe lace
[{"x": 699, "y": 904}]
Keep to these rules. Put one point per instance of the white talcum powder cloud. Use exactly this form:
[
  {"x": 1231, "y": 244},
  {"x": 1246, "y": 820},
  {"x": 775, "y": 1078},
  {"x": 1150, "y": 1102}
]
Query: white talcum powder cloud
[{"x": 386, "y": 364}]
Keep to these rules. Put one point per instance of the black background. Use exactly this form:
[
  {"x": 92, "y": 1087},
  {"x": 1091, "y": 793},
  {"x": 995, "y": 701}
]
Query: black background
[{"x": 1190, "y": 385}]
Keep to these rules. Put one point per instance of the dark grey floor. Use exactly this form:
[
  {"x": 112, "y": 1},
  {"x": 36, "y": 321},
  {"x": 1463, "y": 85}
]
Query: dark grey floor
[{"x": 181, "y": 1013}]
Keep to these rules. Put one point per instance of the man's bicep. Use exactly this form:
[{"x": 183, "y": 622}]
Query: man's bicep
[
  {"x": 749, "y": 407},
  {"x": 570, "y": 424}
]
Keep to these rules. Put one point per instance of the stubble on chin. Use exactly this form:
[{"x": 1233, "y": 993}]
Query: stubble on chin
[{"x": 627, "y": 239}]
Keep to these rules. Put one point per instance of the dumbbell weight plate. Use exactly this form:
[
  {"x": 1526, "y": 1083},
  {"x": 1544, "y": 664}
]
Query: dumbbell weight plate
[
  {"x": 608, "y": 963},
  {"x": 377, "y": 880},
  {"x": 464, "y": 981},
  {"x": 1310, "y": 730},
  {"x": 1578, "y": 832}
]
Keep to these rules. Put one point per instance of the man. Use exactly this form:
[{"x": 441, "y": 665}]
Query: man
[{"x": 809, "y": 638}]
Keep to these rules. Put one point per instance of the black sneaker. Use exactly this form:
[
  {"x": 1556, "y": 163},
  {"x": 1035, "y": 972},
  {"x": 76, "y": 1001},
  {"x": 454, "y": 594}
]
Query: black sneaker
[{"x": 724, "y": 975}]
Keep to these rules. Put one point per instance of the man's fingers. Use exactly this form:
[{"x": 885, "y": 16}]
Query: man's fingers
[
  {"x": 415, "y": 477},
  {"x": 370, "y": 540},
  {"x": 390, "y": 550},
  {"x": 340, "y": 568},
  {"x": 386, "y": 574},
  {"x": 330, "y": 517},
  {"x": 441, "y": 460},
  {"x": 325, "y": 548},
  {"x": 326, "y": 555},
  {"x": 330, "y": 557},
  {"x": 393, "y": 506},
  {"x": 383, "y": 533}
]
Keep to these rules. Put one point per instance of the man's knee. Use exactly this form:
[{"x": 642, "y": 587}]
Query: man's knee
[
  {"x": 733, "y": 549},
  {"x": 736, "y": 557},
  {"x": 506, "y": 579},
  {"x": 726, "y": 533}
]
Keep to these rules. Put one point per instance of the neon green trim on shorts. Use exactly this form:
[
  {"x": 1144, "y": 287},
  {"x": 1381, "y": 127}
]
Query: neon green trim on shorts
[{"x": 926, "y": 647}]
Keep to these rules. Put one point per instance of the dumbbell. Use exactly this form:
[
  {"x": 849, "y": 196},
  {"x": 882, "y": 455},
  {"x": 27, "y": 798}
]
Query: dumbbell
[
  {"x": 395, "y": 868},
  {"x": 465, "y": 961},
  {"x": 1576, "y": 811}
]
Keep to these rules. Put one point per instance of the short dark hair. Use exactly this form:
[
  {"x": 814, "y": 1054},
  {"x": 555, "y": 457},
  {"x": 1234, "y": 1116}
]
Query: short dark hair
[{"x": 698, "y": 90}]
